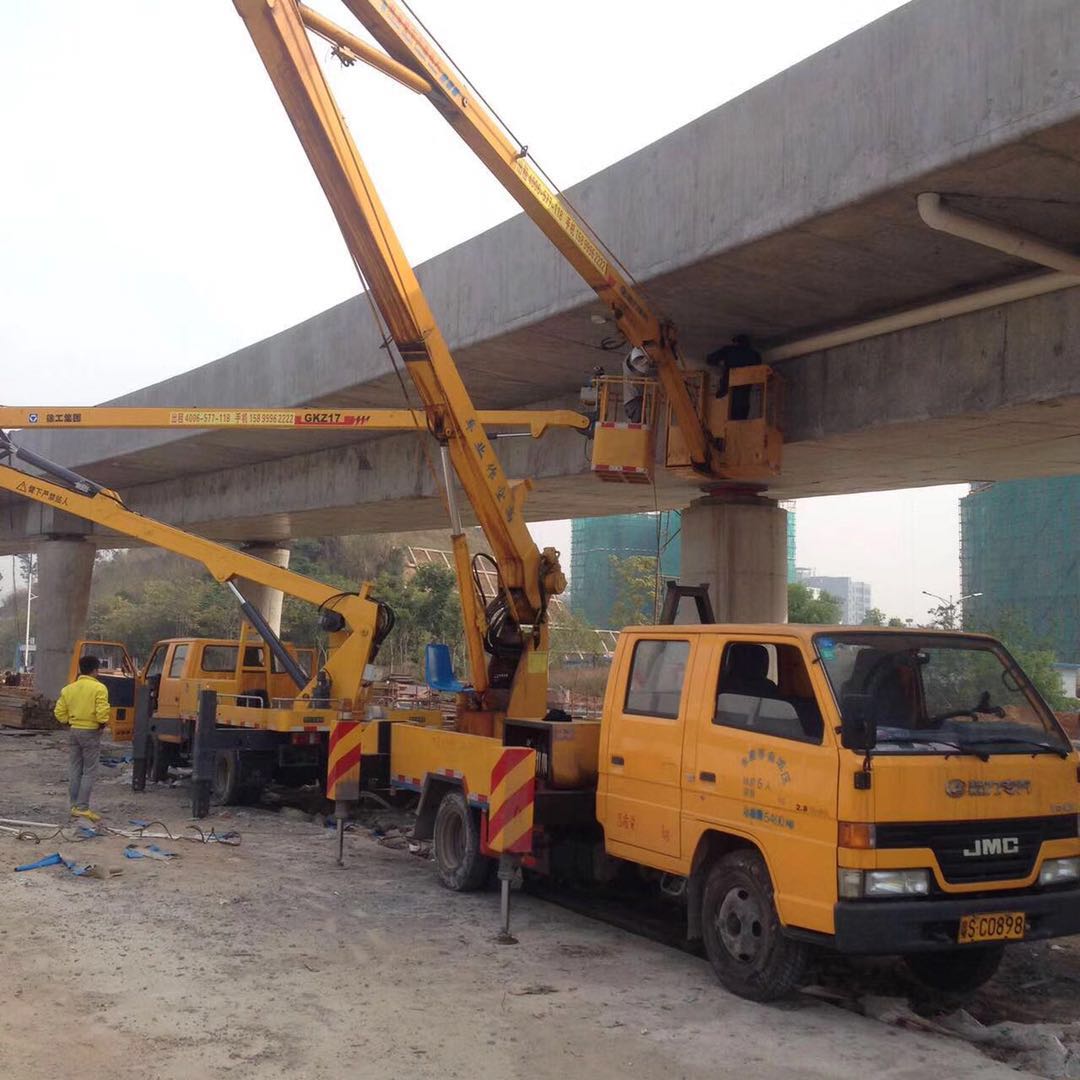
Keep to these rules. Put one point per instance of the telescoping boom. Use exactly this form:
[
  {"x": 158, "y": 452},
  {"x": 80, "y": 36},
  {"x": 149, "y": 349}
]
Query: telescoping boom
[{"x": 731, "y": 441}]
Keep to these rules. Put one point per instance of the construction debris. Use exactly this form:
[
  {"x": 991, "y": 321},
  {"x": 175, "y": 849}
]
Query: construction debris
[
  {"x": 22, "y": 707},
  {"x": 78, "y": 869},
  {"x": 148, "y": 851}
]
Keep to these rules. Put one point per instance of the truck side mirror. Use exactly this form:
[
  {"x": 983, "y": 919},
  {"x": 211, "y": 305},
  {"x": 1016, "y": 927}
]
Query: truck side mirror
[{"x": 858, "y": 725}]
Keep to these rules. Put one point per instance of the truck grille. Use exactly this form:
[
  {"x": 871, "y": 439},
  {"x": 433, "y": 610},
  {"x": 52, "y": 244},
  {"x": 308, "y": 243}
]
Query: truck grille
[{"x": 1013, "y": 858}]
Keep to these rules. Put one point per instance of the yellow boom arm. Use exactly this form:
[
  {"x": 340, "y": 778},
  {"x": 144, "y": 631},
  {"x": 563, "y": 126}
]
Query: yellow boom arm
[
  {"x": 527, "y": 576},
  {"x": 351, "y": 646},
  {"x": 535, "y": 422},
  {"x": 413, "y": 53}
]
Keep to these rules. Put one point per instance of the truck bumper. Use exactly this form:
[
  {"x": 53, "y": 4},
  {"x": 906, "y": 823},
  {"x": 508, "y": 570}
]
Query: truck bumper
[{"x": 887, "y": 927}]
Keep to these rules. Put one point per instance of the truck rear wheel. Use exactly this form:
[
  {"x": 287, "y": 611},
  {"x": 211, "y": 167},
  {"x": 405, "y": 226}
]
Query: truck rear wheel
[
  {"x": 460, "y": 864},
  {"x": 240, "y": 776},
  {"x": 225, "y": 788},
  {"x": 743, "y": 937},
  {"x": 956, "y": 971}
]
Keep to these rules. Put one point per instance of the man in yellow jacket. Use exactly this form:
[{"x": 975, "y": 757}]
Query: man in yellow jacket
[{"x": 84, "y": 706}]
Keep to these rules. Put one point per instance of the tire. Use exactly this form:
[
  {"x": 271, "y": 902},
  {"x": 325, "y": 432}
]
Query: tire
[
  {"x": 225, "y": 785},
  {"x": 460, "y": 865},
  {"x": 743, "y": 937},
  {"x": 162, "y": 755},
  {"x": 955, "y": 971}
]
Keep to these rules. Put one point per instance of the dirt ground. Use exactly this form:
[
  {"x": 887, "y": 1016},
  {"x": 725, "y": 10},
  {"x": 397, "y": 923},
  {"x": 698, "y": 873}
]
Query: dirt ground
[{"x": 267, "y": 961}]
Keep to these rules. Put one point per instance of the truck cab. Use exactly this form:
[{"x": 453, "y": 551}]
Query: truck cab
[
  {"x": 261, "y": 739},
  {"x": 243, "y": 672},
  {"x": 872, "y": 791}
]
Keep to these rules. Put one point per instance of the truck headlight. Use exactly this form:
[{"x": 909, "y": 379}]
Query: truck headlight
[
  {"x": 1059, "y": 871},
  {"x": 855, "y": 884}
]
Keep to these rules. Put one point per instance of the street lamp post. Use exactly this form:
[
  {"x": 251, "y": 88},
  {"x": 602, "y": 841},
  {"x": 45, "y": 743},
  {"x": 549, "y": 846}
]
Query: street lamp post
[
  {"x": 949, "y": 604},
  {"x": 29, "y": 600}
]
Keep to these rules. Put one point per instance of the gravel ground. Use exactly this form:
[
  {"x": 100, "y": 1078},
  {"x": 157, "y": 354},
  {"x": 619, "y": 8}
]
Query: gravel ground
[{"x": 265, "y": 960}]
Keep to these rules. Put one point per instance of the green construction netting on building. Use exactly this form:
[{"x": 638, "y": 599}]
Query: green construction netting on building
[
  {"x": 1020, "y": 548},
  {"x": 595, "y": 540}
]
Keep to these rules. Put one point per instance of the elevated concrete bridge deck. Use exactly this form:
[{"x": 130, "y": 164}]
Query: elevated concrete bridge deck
[{"x": 786, "y": 211}]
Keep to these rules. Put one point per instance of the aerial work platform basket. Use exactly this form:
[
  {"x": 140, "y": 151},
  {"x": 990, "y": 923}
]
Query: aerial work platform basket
[
  {"x": 743, "y": 423},
  {"x": 624, "y": 442}
]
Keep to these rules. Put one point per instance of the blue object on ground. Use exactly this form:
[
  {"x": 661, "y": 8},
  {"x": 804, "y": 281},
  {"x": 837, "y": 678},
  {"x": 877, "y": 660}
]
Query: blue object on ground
[
  {"x": 439, "y": 670},
  {"x": 78, "y": 869},
  {"x": 85, "y": 832},
  {"x": 150, "y": 851},
  {"x": 46, "y": 860},
  {"x": 139, "y": 823}
]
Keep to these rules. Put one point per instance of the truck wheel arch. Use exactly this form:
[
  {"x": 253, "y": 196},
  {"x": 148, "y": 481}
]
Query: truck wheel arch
[
  {"x": 433, "y": 791},
  {"x": 711, "y": 846}
]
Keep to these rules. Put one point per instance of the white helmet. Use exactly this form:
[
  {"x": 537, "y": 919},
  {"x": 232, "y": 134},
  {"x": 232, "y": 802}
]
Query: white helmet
[{"x": 638, "y": 362}]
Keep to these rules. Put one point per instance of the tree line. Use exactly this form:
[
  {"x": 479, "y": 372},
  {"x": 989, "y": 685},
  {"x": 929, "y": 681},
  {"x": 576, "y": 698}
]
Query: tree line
[{"x": 141, "y": 596}]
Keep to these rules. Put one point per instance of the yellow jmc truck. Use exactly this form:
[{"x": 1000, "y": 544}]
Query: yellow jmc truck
[{"x": 795, "y": 788}]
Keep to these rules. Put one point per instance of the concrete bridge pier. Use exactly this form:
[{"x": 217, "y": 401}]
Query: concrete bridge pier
[
  {"x": 267, "y": 601},
  {"x": 65, "y": 569},
  {"x": 738, "y": 545}
]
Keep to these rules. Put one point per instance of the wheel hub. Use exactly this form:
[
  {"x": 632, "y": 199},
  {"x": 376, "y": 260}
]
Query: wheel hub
[
  {"x": 740, "y": 923},
  {"x": 452, "y": 848}
]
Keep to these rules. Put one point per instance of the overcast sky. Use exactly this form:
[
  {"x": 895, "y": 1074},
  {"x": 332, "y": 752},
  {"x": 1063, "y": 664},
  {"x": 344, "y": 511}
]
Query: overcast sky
[{"x": 156, "y": 211}]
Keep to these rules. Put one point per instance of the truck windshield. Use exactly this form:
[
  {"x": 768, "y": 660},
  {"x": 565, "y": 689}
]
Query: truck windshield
[{"x": 934, "y": 694}]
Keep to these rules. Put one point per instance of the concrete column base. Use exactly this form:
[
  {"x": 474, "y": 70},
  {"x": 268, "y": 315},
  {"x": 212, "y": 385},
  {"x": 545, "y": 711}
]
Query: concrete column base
[
  {"x": 65, "y": 569},
  {"x": 266, "y": 601},
  {"x": 738, "y": 546}
]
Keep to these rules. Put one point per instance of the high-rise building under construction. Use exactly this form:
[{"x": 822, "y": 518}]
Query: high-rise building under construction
[
  {"x": 1020, "y": 549},
  {"x": 594, "y": 541}
]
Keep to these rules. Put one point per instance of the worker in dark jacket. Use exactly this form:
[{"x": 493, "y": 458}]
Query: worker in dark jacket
[
  {"x": 84, "y": 706},
  {"x": 739, "y": 354}
]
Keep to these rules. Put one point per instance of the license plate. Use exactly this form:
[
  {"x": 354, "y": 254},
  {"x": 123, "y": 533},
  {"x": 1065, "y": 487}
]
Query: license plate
[{"x": 1003, "y": 926}]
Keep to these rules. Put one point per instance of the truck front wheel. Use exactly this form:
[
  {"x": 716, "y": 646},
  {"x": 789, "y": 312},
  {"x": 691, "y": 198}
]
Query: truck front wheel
[
  {"x": 956, "y": 971},
  {"x": 743, "y": 937},
  {"x": 460, "y": 864}
]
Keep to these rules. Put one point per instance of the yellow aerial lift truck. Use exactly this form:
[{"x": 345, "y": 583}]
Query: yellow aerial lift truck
[
  {"x": 238, "y": 740},
  {"x": 274, "y": 718},
  {"x": 796, "y": 787}
]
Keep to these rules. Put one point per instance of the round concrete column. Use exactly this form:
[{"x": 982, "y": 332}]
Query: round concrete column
[
  {"x": 738, "y": 546},
  {"x": 267, "y": 601},
  {"x": 65, "y": 568}
]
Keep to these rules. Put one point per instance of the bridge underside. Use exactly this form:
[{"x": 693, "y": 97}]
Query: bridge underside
[{"x": 782, "y": 213}]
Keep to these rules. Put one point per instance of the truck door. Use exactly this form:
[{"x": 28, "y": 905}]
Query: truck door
[
  {"x": 762, "y": 765},
  {"x": 116, "y": 673},
  {"x": 169, "y": 693},
  {"x": 644, "y": 746}
]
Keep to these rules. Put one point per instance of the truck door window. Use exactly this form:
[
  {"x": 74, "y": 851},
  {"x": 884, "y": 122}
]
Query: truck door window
[
  {"x": 156, "y": 664},
  {"x": 766, "y": 688},
  {"x": 176, "y": 665},
  {"x": 657, "y": 669},
  {"x": 253, "y": 656},
  {"x": 219, "y": 658},
  {"x": 112, "y": 658}
]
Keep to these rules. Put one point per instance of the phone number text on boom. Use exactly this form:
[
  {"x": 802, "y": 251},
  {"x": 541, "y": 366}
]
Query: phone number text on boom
[{"x": 218, "y": 417}]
